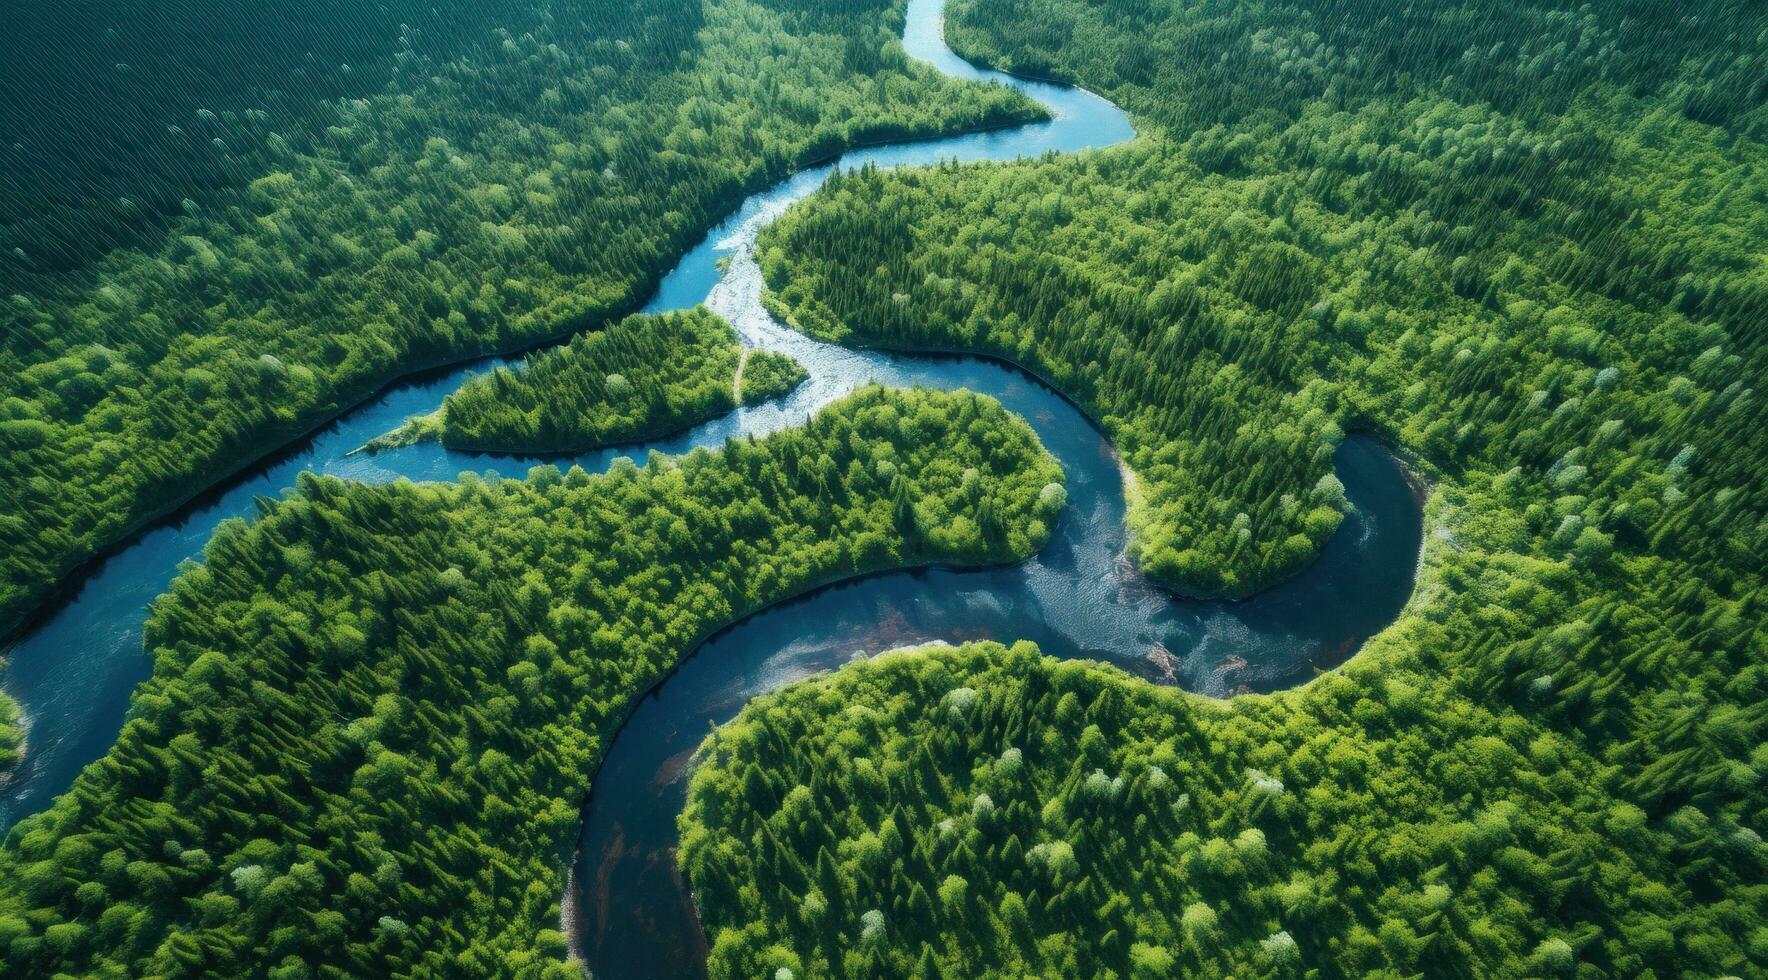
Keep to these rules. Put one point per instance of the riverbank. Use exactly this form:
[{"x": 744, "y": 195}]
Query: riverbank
[
  {"x": 22, "y": 613},
  {"x": 99, "y": 607},
  {"x": 805, "y": 591},
  {"x": 15, "y": 739}
]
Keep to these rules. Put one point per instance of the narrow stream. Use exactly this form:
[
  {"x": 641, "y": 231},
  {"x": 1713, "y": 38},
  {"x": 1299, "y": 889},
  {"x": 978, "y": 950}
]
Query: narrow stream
[{"x": 74, "y": 672}]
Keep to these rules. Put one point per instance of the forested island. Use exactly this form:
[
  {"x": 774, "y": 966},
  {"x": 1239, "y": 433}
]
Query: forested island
[
  {"x": 505, "y": 185},
  {"x": 647, "y": 376},
  {"x": 375, "y": 710}
]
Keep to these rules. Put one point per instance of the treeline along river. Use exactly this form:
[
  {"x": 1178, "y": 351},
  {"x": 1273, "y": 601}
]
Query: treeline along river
[{"x": 74, "y": 670}]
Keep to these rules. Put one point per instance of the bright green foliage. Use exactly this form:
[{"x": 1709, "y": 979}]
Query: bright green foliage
[
  {"x": 1226, "y": 425},
  {"x": 1252, "y": 68},
  {"x": 476, "y": 204},
  {"x": 1074, "y": 821},
  {"x": 375, "y": 711},
  {"x": 12, "y": 737},
  {"x": 1521, "y": 241},
  {"x": 112, "y": 109},
  {"x": 645, "y": 377},
  {"x": 1294, "y": 248},
  {"x": 770, "y": 374}
]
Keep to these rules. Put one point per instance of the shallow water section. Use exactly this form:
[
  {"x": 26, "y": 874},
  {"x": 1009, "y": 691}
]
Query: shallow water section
[{"x": 1079, "y": 598}]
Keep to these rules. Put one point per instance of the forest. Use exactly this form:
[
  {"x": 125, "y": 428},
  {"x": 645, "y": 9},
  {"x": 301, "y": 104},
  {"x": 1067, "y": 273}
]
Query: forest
[
  {"x": 1520, "y": 242},
  {"x": 769, "y": 374},
  {"x": 1209, "y": 291},
  {"x": 1523, "y": 245},
  {"x": 985, "y": 811},
  {"x": 645, "y": 377},
  {"x": 375, "y": 710},
  {"x": 494, "y": 192},
  {"x": 99, "y": 102}
]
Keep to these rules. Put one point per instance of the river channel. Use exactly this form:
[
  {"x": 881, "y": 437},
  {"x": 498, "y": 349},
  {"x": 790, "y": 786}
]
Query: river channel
[{"x": 630, "y": 915}]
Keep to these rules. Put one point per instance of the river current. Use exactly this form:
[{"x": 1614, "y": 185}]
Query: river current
[{"x": 629, "y": 913}]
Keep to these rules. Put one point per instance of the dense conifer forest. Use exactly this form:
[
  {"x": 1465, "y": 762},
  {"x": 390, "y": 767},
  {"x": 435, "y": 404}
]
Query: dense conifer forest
[
  {"x": 375, "y": 710},
  {"x": 1527, "y": 255},
  {"x": 990, "y": 812},
  {"x": 11, "y": 738},
  {"x": 645, "y": 377},
  {"x": 110, "y": 109},
  {"x": 1217, "y": 307},
  {"x": 496, "y": 190}
]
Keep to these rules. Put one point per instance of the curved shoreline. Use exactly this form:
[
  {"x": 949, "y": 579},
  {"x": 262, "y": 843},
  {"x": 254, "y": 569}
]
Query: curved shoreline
[
  {"x": 37, "y": 605},
  {"x": 39, "y": 610},
  {"x": 96, "y": 605},
  {"x": 570, "y": 906},
  {"x": 693, "y": 648}
]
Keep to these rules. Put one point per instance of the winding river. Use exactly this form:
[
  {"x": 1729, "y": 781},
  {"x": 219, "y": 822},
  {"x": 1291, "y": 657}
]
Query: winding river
[{"x": 631, "y": 917}]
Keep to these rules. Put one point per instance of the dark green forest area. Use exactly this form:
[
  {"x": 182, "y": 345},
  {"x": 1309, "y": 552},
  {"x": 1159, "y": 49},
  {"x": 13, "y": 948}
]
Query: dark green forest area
[
  {"x": 1216, "y": 291},
  {"x": 489, "y": 195},
  {"x": 1522, "y": 243},
  {"x": 646, "y": 377},
  {"x": 375, "y": 711}
]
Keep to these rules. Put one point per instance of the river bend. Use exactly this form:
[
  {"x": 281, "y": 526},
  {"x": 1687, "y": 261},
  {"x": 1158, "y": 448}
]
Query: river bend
[{"x": 1080, "y": 597}]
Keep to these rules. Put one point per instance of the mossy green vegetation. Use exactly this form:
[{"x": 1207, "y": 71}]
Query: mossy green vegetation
[
  {"x": 1229, "y": 430},
  {"x": 1523, "y": 244},
  {"x": 648, "y": 376},
  {"x": 985, "y": 811},
  {"x": 375, "y": 711},
  {"x": 472, "y": 205},
  {"x": 770, "y": 374},
  {"x": 1253, "y": 69},
  {"x": 414, "y": 430}
]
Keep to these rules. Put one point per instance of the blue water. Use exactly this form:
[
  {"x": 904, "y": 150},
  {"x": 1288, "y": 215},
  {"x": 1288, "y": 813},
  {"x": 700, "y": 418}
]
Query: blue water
[
  {"x": 629, "y": 912},
  {"x": 74, "y": 672}
]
